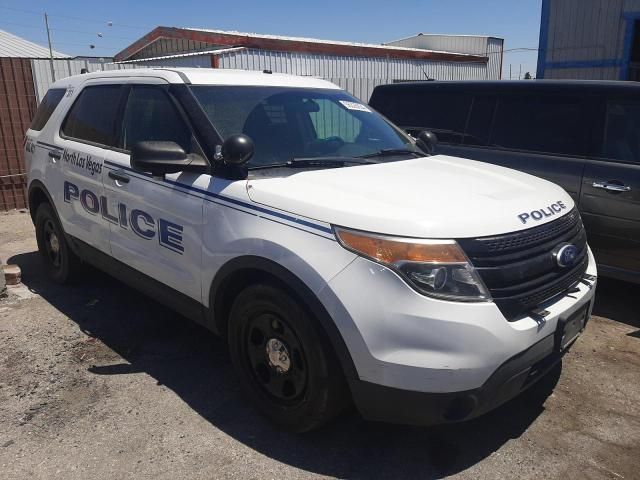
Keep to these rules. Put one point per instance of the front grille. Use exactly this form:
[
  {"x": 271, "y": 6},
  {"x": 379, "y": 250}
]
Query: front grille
[{"x": 519, "y": 268}]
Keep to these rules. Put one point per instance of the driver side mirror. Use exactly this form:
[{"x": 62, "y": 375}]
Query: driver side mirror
[
  {"x": 161, "y": 158},
  {"x": 427, "y": 141},
  {"x": 158, "y": 158}
]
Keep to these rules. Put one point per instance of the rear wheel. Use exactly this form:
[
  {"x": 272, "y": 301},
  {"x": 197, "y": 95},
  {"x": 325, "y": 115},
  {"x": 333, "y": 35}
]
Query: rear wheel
[
  {"x": 61, "y": 264},
  {"x": 283, "y": 359}
]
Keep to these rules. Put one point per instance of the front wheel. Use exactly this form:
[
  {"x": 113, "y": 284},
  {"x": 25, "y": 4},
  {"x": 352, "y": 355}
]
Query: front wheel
[
  {"x": 284, "y": 362},
  {"x": 60, "y": 262}
]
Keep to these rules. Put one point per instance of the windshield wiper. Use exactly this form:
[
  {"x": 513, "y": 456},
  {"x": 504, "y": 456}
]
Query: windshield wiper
[
  {"x": 389, "y": 152},
  {"x": 328, "y": 162}
]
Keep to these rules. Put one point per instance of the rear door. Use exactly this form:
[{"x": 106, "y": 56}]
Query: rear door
[
  {"x": 541, "y": 134},
  {"x": 610, "y": 201},
  {"x": 86, "y": 135}
]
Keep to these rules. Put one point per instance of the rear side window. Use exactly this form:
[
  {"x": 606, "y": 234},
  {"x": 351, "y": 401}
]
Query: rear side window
[
  {"x": 622, "y": 131},
  {"x": 46, "y": 108},
  {"x": 151, "y": 115},
  {"x": 92, "y": 116},
  {"x": 540, "y": 123}
]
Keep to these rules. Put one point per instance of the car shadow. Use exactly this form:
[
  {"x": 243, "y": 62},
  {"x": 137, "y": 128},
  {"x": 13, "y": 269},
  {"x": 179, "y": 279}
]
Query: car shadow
[
  {"x": 616, "y": 299},
  {"x": 194, "y": 364}
]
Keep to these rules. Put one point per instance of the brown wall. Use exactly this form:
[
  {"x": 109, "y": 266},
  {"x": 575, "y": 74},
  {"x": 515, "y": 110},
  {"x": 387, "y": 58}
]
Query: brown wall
[{"x": 17, "y": 107}]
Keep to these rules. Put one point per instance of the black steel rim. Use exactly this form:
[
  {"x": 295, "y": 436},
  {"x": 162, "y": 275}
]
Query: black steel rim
[
  {"x": 54, "y": 255},
  {"x": 285, "y": 387}
]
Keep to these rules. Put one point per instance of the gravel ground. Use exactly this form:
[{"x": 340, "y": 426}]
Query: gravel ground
[{"x": 97, "y": 381}]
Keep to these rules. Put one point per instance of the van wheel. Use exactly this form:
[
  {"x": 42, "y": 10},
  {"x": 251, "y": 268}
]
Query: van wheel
[
  {"x": 61, "y": 264},
  {"x": 283, "y": 360}
]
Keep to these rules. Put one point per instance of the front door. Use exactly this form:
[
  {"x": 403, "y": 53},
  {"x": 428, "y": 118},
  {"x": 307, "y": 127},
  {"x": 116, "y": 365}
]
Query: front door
[
  {"x": 155, "y": 222},
  {"x": 610, "y": 201}
]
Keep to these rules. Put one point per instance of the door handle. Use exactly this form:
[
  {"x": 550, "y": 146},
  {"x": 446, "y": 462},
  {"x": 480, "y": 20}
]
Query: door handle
[
  {"x": 119, "y": 176},
  {"x": 54, "y": 155},
  {"x": 612, "y": 187}
]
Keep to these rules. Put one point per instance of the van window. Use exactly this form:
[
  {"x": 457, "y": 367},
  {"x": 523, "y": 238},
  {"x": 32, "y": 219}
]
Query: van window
[
  {"x": 479, "y": 126},
  {"x": 415, "y": 109},
  {"x": 46, "y": 108},
  {"x": 150, "y": 115},
  {"x": 540, "y": 123},
  {"x": 92, "y": 116},
  {"x": 622, "y": 131}
]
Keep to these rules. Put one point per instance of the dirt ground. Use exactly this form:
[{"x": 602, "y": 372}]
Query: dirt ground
[{"x": 97, "y": 381}]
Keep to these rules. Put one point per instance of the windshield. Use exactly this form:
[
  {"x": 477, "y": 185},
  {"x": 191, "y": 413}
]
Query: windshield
[{"x": 287, "y": 123}]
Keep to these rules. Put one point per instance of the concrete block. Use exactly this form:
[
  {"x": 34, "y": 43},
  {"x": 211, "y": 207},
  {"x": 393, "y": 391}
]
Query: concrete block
[{"x": 12, "y": 274}]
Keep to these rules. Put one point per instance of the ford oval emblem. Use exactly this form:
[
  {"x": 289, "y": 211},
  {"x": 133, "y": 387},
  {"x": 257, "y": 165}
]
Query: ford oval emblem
[{"x": 565, "y": 255}]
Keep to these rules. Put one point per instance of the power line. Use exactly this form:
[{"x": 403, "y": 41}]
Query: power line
[{"x": 82, "y": 19}]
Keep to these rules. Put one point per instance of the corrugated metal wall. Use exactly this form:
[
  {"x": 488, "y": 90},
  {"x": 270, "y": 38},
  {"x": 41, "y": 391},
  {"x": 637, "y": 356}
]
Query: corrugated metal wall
[
  {"x": 17, "y": 107},
  {"x": 490, "y": 47},
  {"x": 67, "y": 67},
  {"x": 357, "y": 75},
  {"x": 585, "y": 39}
]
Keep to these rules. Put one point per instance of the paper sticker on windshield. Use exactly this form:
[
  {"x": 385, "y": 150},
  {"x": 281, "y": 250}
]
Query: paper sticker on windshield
[{"x": 354, "y": 106}]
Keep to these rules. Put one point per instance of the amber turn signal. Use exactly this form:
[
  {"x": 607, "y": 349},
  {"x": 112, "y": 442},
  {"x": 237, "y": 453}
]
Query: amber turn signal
[{"x": 392, "y": 250}]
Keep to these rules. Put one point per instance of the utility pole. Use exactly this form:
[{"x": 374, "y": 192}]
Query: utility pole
[
  {"x": 520, "y": 73},
  {"x": 53, "y": 71},
  {"x": 509, "y": 71}
]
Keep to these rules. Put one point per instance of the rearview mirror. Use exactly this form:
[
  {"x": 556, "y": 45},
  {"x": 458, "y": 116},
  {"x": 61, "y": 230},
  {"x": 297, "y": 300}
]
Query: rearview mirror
[
  {"x": 427, "y": 141},
  {"x": 159, "y": 158}
]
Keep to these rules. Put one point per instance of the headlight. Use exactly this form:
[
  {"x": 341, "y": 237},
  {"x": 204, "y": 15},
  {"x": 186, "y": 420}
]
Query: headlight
[{"x": 438, "y": 268}]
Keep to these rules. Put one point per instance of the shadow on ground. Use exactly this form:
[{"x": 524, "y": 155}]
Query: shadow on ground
[
  {"x": 616, "y": 299},
  {"x": 194, "y": 364}
]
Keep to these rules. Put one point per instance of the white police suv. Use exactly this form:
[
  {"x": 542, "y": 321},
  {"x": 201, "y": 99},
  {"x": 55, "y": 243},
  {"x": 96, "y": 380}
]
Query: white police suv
[{"x": 341, "y": 261}]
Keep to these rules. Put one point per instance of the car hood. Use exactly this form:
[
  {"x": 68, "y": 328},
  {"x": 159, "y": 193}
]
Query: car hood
[{"x": 432, "y": 197}]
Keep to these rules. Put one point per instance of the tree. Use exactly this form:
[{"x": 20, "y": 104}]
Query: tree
[{"x": 527, "y": 76}]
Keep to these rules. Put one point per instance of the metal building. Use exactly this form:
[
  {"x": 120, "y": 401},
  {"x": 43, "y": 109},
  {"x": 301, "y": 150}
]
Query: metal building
[
  {"x": 490, "y": 47},
  {"x": 17, "y": 106},
  {"x": 590, "y": 39},
  {"x": 357, "y": 67}
]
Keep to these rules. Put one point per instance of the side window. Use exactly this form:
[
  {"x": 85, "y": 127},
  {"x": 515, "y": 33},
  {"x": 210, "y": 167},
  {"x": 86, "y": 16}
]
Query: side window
[
  {"x": 622, "y": 131},
  {"x": 46, "y": 108},
  {"x": 92, "y": 116},
  {"x": 445, "y": 113},
  {"x": 333, "y": 121},
  {"x": 150, "y": 115},
  {"x": 540, "y": 123},
  {"x": 479, "y": 126}
]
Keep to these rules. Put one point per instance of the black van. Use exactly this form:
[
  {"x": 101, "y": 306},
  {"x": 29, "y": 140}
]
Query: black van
[{"x": 582, "y": 135}]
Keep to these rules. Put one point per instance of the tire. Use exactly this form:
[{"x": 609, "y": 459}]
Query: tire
[
  {"x": 61, "y": 264},
  {"x": 300, "y": 385}
]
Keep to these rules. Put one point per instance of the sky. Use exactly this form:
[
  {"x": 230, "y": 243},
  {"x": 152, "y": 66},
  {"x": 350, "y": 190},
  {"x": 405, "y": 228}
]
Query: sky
[{"x": 75, "y": 24}]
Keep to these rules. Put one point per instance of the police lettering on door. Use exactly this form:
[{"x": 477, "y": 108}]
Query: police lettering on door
[{"x": 141, "y": 223}]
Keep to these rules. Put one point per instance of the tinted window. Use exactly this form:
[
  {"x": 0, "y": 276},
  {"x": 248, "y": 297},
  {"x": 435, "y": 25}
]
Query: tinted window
[
  {"x": 92, "y": 116},
  {"x": 46, "y": 108},
  {"x": 416, "y": 109},
  {"x": 150, "y": 115},
  {"x": 551, "y": 124},
  {"x": 622, "y": 132},
  {"x": 479, "y": 126}
]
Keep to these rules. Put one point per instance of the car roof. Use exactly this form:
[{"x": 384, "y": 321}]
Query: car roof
[
  {"x": 202, "y": 76},
  {"x": 513, "y": 86}
]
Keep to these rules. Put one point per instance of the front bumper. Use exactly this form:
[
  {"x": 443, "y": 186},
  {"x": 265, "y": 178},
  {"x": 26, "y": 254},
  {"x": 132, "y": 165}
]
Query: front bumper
[{"x": 423, "y": 361}]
